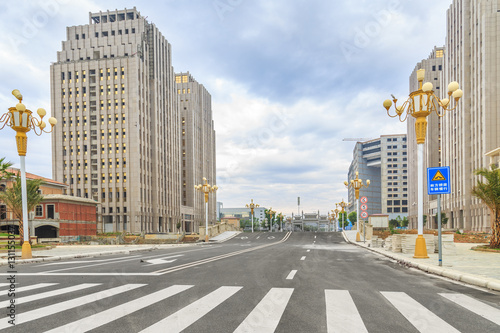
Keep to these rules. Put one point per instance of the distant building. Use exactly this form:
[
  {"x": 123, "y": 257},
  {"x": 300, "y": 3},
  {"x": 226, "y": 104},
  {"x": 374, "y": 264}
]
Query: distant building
[
  {"x": 57, "y": 216},
  {"x": 384, "y": 162},
  {"x": 244, "y": 213}
]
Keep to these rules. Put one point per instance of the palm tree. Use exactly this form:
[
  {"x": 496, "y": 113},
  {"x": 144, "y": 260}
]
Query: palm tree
[
  {"x": 12, "y": 197},
  {"x": 489, "y": 193},
  {"x": 4, "y": 174}
]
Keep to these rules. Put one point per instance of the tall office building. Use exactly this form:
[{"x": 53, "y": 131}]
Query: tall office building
[
  {"x": 471, "y": 58},
  {"x": 198, "y": 150},
  {"x": 433, "y": 66},
  {"x": 384, "y": 162},
  {"x": 113, "y": 90}
]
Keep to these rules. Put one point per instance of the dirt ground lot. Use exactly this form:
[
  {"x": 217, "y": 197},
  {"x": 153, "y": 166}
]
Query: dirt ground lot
[{"x": 467, "y": 237}]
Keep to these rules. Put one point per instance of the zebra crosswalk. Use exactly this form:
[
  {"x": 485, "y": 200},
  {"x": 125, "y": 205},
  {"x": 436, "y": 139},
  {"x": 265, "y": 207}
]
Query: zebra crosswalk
[{"x": 50, "y": 303}]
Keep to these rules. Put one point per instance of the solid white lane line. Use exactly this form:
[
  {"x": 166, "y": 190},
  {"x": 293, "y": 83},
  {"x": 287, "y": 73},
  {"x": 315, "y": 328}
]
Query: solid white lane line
[
  {"x": 303, "y": 258},
  {"x": 107, "y": 316},
  {"x": 266, "y": 316},
  {"x": 34, "y": 286},
  {"x": 24, "y": 317},
  {"x": 471, "y": 304},
  {"x": 418, "y": 315},
  {"x": 47, "y": 294},
  {"x": 291, "y": 274},
  {"x": 188, "y": 315},
  {"x": 342, "y": 316}
]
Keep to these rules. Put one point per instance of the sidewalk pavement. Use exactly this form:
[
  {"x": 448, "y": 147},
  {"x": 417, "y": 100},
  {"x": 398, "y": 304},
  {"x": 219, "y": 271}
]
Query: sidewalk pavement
[
  {"x": 473, "y": 267},
  {"x": 63, "y": 252}
]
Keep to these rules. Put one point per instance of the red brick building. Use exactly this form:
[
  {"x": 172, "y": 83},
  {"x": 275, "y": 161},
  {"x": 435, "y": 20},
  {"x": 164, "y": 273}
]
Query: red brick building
[{"x": 58, "y": 216}]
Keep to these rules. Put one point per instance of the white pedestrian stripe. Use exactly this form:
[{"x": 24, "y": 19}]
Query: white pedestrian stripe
[
  {"x": 266, "y": 316},
  {"x": 25, "y": 317},
  {"x": 107, "y": 316},
  {"x": 194, "y": 311},
  {"x": 419, "y": 316},
  {"x": 341, "y": 313},
  {"x": 291, "y": 274},
  {"x": 48, "y": 294},
  {"x": 308, "y": 251},
  {"x": 27, "y": 288},
  {"x": 475, "y": 306},
  {"x": 303, "y": 258}
]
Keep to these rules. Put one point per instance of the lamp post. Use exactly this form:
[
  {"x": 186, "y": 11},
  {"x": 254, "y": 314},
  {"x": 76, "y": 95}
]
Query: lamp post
[
  {"x": 271, "y": 212},
  {"x": 343, "y": 205},
  {"x": 22, "y": 121},
  {"x": 206, "y": 189},
  {"x": 419, "y": 105},
  {"x": 357, "y": 184},
  {"x": 336, "y": 212},
  {"x": 252, "y": 206}
]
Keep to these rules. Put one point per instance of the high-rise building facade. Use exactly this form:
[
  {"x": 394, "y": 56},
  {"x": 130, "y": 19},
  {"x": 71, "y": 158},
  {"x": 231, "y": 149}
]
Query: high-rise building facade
[
  {"x": 433, "y": 66},
  {"x": 119, "y": 139},
  {"x": 384, "y": 162},
  {"x": 471, "y": 58},
  {"x": 197, "y": 149}
]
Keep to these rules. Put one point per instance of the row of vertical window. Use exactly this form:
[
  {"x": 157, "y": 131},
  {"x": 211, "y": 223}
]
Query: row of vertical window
[
  {"x": 76, "y": 75},
  {"x": 181, "y": 79},
  {"x": 184, "y": 91},
  {"x": 397, "y": 209},
  {"x": 107, "y": 33}
]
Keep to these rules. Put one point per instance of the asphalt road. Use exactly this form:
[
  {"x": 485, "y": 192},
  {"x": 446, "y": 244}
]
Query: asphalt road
[{"x": 260, "y": 282}]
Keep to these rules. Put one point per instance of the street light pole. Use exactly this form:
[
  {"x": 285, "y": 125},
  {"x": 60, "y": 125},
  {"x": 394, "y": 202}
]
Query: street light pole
[
  {"x": 419, "y": 105},
  {"x": 271, "y": 213},
  {"x": 357, "y": 184},
  {"x": 343, "y": 205},
  {"x": 22, "y": 121},
  {"x": 252, "y": 206},
  {"x": 206, "y": 189}
]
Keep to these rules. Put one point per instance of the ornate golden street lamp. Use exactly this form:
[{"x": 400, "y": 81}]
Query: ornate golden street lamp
[
  {"x": 22, "y": 121},
  {"x": 330, "y": 219},
  {"x": 342, "y": 205},
  {"x": 271, "y": 213},
  {"x": 206, "y": 189},
  {"x": 419, "y": 105},
  {"x": 280, "y": 217},
  {"x": 252, "y": 206},
  {"x": 336, "y": 212},
  {"x": 357, "y": 184}
]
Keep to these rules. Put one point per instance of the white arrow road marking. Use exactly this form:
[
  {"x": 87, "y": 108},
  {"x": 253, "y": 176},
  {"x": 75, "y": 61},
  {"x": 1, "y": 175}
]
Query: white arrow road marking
[
  {"x": 271, "y": 237},
  {"x": 160, "y": 261},
  {"x": 257, "y": 237},
  {"x": 244, "y": 237}
]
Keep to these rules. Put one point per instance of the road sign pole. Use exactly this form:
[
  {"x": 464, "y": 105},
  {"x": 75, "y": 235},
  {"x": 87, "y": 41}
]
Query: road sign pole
[{"x": 440, "y": 249}]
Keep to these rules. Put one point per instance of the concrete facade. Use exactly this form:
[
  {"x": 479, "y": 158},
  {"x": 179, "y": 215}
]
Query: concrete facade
[
  {"x": 384, "y": 162},
  {"x": 198, "y": 147},
  {"x": 119, "y": 135},
  {"x": 471, "y": 59}
]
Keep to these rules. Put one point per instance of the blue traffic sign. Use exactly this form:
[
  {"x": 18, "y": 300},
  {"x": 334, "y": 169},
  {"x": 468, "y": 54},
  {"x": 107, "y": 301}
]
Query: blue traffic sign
[{"x": 438, "y": 180}]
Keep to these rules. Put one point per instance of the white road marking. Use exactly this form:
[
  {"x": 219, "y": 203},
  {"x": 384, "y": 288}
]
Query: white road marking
[
  {"x": 266, "y": 316},
  {"x": 342, "y": 316},
  {"x": 185, "y": 317},
  {"x": 291, "y": 274},
  {"x": 107, "y": 316},
  {"x": 479, "y": 308},
  {"x": 25, "y": 317},
  {"x": 271, "y": 237},
  {"x": 159, "y": 261},
  {"x": 86, "y": 261},
  {"x": 257, "y": 237},
  {"x": 303, "y": 258},
  {"x": 308, "y": 251},
  {"x": 244, "y": 237},
  {"x": 34, "y": 286},
  {"x": 418, "y": 315},
  {"x": 314, "y": 237},
  {"x": 48, "y": 294}
]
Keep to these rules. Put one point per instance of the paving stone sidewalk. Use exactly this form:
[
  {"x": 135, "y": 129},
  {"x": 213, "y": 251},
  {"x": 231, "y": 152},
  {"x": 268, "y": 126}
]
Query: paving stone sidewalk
[{"x": 473, "y": 267}]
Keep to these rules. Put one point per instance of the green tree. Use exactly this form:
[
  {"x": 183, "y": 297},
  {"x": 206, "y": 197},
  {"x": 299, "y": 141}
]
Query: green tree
[
  {"x": 444, "y": 219},
  {"x": 425, "y": 220},
  {"x": 178, "y": 225},
  {"x": 393, "y": 223},
  {"x": 404, "y": 222},
  {"x": 353, "y": 217},
  {"x": 4, "y": 174},
  {"x": 12, "y": 197},
  {"x": 489, "y": 193},
  {"x": 344, "y": 216}
]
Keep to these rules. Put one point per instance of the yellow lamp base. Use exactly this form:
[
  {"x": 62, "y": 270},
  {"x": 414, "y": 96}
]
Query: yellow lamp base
[
  {"x": 206, "y": 238},
  {"x": 420, "y": 248},
  {"x": 26, "y": 251},
  {"x": 358, "y": 237}
]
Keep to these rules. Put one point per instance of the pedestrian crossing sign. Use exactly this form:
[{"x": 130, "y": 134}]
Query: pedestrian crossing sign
[{"x": 438, "y": 180}]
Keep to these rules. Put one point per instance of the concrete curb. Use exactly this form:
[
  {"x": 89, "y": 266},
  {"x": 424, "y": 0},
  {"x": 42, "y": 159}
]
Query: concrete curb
[
  {"x": 4, "y": 262},
  {"x": 472, "y": 279}
]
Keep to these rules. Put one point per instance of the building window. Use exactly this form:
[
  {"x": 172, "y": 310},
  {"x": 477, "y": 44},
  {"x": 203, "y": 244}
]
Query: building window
[
  {"x": 389, "y": 209},
  {"x": 3, "y": 212}
]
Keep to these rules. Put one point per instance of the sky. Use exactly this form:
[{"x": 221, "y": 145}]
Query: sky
[{"x": 289, "y": 79}]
